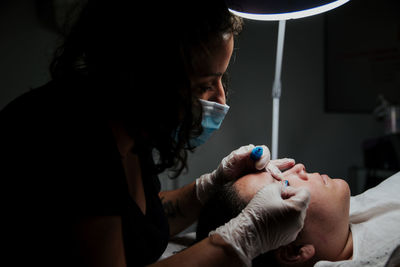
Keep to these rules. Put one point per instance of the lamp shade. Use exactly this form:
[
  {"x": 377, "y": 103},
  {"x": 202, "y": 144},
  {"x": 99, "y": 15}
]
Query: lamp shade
[{"x": 281, "y": 9}]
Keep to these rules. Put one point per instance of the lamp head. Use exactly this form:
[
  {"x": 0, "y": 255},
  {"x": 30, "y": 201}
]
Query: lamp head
[{"x": 281, "y": 9}]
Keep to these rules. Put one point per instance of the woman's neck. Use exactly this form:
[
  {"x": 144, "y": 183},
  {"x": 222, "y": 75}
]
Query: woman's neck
[{"x": 347, "y": 252}]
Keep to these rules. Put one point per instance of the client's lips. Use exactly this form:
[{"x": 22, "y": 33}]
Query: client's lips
[{"x": 325, "y": 178}]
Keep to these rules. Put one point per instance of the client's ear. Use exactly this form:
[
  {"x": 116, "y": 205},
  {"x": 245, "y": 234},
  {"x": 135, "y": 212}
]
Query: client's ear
[{"x": 295, "y": 254}]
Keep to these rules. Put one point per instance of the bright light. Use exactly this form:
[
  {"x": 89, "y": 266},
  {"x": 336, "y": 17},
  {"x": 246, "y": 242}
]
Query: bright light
[{"x": 291, "y": 15}]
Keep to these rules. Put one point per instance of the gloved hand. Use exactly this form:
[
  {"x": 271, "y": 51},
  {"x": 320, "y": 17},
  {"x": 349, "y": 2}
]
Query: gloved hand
[
  {"x": 237, "y": 164},
  {"x": 273, "y": 218}
]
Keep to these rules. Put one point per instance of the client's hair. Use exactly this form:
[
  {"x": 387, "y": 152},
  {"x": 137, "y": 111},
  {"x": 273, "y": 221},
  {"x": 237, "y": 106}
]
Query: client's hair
[{"x": 218, "y": 210}]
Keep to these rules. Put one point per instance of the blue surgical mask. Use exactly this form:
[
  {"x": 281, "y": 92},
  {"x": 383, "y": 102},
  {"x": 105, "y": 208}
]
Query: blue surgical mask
[{"x": 213, "y": 115}]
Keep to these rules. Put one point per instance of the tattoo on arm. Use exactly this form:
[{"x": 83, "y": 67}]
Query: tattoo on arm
[{"x": 171, "y": 209}]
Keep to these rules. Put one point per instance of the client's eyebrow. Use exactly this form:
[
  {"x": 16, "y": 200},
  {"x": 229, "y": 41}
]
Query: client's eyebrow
[{"x": 212, "y": 74}]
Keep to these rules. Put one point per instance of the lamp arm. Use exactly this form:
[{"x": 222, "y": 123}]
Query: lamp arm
[{"x": 277, "y": 88}]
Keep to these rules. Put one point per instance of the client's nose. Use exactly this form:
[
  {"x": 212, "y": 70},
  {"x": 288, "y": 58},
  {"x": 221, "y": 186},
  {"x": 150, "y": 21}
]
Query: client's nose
[
  {"x": 300, "y": 169},
  {"x": 217, "y": 95}
]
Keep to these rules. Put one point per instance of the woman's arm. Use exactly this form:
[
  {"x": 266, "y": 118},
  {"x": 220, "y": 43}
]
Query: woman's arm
[
  {"x": 181, "y": 207},
  {"x": 212, "y": 251},
  {"x": 100, "y": 244}
]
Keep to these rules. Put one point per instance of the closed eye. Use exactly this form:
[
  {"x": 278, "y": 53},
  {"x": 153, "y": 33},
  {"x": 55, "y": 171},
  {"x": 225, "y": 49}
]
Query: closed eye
[{"x": 205, "y": 89}]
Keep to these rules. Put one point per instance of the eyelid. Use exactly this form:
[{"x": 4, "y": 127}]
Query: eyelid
[
  {"x": 208, "y": 87},
  {"x": 205, "y": 89}
]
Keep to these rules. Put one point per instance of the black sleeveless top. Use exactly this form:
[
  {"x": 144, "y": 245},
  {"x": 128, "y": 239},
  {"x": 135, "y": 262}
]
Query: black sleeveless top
[{"x": 60, "y": 165}]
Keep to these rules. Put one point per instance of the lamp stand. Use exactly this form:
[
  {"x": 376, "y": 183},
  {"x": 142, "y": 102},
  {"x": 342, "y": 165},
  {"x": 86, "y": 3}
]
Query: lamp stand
[{"x": 276, "y": 88}]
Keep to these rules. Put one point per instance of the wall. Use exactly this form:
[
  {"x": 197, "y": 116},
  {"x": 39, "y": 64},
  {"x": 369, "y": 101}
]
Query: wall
[{"x": 25, "y": 49}]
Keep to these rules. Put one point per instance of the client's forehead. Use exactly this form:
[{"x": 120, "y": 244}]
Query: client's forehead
[{"x": 248, "y": 185}]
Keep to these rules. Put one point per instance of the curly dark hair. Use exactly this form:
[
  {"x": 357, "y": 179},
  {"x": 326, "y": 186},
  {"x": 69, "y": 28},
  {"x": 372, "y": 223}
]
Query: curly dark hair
[{"x": 135, "y": 58}]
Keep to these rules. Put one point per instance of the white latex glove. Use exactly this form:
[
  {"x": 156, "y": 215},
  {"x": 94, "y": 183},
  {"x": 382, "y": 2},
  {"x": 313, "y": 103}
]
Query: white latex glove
[
  {"x": 237, "y": 164},
  {"x": 276, "y": 165},
  {"x": 273, "y": 218}
]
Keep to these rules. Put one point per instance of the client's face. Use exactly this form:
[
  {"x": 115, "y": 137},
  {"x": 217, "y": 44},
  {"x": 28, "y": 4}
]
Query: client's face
[{"x": 326, "y": 225}]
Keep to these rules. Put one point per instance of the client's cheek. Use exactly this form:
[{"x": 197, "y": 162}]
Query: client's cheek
[{"x": 344, "y": 187}]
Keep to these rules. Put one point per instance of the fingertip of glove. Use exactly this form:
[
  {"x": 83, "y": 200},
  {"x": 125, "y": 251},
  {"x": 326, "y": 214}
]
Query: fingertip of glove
[
  {"x": 256, "y": 153},
  {"x": 289, "y": 161},
  {"x": 301, "y": 196},
  {"x": 264, "y": 159},
  {"x": 261, "y": 163}
]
